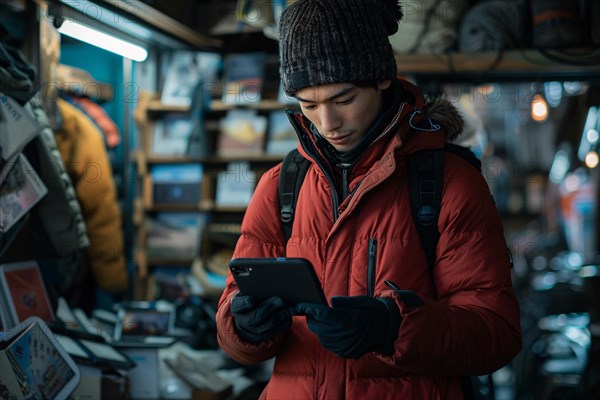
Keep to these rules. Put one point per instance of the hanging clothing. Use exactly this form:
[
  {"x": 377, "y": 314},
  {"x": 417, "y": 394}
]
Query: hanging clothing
[
  {"x": 16, "y": 74},
  {"x": 82, "y": 149},
  {"x": 53, "y": 232},
  {"x": 99, "y": 117},
  {"x": 61, "y": 236}
]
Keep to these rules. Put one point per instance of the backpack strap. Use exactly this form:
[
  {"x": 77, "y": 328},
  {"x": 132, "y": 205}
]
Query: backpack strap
[
  {"x": 425, "y": 183},
  {"x": 465, "y": 153},
  {"x": 293, "y": 171}
]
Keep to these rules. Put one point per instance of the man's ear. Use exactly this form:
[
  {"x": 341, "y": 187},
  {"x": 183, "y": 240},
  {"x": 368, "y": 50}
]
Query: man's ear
[{"x": 382, "y": 85}]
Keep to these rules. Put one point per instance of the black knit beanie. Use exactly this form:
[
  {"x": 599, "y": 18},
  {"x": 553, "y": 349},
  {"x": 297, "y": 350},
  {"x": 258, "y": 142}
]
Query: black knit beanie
[{"x": 335, "y": 41}]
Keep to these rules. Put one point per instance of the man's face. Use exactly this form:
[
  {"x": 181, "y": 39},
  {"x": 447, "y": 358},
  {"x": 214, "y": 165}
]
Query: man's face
[{"x": 341, "y": 112}]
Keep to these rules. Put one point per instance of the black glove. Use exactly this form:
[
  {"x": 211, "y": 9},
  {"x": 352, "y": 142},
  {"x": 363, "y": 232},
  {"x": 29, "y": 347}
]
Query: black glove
[
  {"x": 257, "y": 321},
  {"x": 355, "y": 325}
]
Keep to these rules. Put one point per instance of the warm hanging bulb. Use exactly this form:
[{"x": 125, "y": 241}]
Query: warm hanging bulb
[
  {"x": 591, "y": 160},
  {"x": 102, "y": 40},
  {"x": 539, "y": 108}
]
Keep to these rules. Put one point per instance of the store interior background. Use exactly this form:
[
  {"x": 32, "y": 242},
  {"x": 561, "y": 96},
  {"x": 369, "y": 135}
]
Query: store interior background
[{"x": 543, "y": 173}]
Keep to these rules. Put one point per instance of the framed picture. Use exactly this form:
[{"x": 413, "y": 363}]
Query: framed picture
[{"x": 25, "y": 291}]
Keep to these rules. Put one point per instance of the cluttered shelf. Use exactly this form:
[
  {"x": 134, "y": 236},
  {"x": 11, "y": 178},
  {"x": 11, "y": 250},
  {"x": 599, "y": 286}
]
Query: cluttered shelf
[
  {"x": 156, "y": 106},
  {"x": 510, "y": 64},
  {"x": 169, "y": 262},
  {"x": 205, "y": 206},
  {"x": 142, "y": 158}
]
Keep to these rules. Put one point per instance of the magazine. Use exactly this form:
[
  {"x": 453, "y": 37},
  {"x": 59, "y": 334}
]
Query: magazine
[
  {"x": 174, "y": 236},
  {"x": 241, "y": 133},
  {"x": 186, "y": 70},
  {"x": 24, "y": 291},
  {"x": 26, "y": 189},
  {"x": 235, "y": 185},
  {"x": 243, "y": 77},
  {"x": 282, "y": 136},
  {"x": 171, "y": 134},
  {"x": 176, "y": 183},
  {"x": 17, "y": 128},
  {"x": 34, "y": 364}
]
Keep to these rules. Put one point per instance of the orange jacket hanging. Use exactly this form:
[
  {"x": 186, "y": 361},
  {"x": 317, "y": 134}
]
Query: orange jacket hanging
[
  {"x": 86, "y": 161},
  {"x": 472, "y": 328}
]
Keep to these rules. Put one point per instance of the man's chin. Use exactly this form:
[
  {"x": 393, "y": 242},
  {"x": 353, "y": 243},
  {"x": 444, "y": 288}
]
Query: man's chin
[{"x": 344, "y": 149}]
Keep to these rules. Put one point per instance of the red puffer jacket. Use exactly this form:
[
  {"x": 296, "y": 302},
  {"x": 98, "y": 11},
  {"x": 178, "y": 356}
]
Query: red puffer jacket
[{"x": 470, "y": 328}]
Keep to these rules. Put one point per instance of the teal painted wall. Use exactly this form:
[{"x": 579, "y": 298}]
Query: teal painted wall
[{"x": 104, "y": 66}]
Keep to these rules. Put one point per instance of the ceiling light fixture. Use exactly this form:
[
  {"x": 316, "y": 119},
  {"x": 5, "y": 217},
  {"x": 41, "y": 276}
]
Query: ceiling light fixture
[{"x": 102, "y": 40}]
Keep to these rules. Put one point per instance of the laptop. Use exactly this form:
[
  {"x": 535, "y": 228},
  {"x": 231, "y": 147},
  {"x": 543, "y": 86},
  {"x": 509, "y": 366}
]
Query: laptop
[
  {"x": 23, "y": 294},
  {"x": 34, "y": 365},
  {"x": 144, "y": 327}
]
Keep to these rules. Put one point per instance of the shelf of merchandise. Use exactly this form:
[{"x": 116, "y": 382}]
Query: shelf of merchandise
[
  {"x": 208, "y": 207},
  {"x": 508, "y": 65},
  {"x": 156, "y": 106},
  {"x": 148, "y": 111},
  {"x": 169, "y": 262},
  {"x": 142, "y": 161}
]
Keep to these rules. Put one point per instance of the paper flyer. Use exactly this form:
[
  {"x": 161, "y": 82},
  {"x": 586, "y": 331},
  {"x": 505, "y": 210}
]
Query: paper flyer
[
  {"x": 28, "y": 189},
  {"x": 17, "y": 128}
]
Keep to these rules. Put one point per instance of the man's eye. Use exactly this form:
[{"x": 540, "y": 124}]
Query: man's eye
[
  {"x": 309, "y": 107},
  {"x": 347, "y": 101}
]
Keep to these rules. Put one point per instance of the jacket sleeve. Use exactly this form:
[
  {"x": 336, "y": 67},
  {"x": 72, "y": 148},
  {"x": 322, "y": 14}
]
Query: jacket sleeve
[
  {"x": 262, "y": 236},
  {"x": 88, "y": 165},
  {"x": 474, "y": 326}
]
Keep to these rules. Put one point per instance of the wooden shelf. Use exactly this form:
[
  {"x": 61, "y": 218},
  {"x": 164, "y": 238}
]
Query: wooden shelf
[
  {"x": 266, "y": 105},
  {"x": 179, "y": 208},
  {"x": 267, "y": 158},
  {"x": 528, "y": 64},
  {"x": 155, "y": 106},
  {"x": 169, "y": 262},
  {"x": 143, "y": 161},
  {"x": 194, "y": 208},
  {"x": 148, "y": 111}
]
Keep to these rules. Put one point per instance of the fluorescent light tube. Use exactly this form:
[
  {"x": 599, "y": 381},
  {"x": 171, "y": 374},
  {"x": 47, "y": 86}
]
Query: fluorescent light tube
[{"x": 102, "y": 40}]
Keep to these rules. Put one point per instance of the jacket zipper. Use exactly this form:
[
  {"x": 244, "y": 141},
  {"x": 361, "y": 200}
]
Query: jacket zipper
[
  {"x": 309, "y": 149},
  {"x": 346, "y": 167},
  {"x": 345, "y": 172},
  {"x": 371, "y": 267},
  {"x": 392, "y": 125},
  {"x": 305, "y": 142}
]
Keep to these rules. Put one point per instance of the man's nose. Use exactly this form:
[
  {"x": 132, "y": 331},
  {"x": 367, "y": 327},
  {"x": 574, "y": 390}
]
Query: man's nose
[{"x": 330, "y": 119}]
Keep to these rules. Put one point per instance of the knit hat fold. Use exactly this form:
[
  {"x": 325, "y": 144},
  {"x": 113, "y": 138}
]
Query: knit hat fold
[{"x": 334, "y": 41}]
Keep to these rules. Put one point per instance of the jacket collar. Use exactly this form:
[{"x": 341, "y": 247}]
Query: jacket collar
[{"x": 412, "y": 125}]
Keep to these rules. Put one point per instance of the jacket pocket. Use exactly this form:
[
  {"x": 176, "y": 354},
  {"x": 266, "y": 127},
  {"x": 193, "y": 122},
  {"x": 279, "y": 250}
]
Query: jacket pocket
[{"x": 371, "y": 267}]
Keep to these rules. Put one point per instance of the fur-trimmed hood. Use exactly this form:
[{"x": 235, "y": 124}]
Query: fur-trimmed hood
[
  {"x": 443, "y": 111},
  {"x": 438, "y": 110}
]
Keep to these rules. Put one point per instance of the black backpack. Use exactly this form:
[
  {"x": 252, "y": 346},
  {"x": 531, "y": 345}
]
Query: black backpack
[{"x": 425, "y": 182}]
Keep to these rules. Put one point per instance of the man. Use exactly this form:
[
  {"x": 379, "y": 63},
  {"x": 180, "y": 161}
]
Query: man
[{"x": 394, "y": 328}]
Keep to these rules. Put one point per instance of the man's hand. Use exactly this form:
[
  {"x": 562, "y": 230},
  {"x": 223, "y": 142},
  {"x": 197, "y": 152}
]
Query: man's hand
[
  {"x": 258, "y": 321},
  {"x": 355, "y": 325}
]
